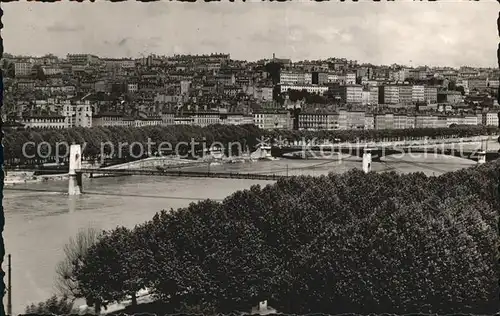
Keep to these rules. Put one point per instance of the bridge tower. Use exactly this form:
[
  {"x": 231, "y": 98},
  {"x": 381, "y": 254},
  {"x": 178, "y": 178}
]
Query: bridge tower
[
  {"x": 482, "y": 153},
  {"x": 481, "y": 157},
  {"x": 367, "y": 160},
  {"x": 75, "y": 163}
]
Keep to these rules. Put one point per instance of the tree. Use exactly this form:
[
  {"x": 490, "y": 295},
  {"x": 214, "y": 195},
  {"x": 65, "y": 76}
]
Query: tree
[
  {"x": 9, "y": 68},
  {"x": 53, "y": 305},
  {"x": 111, "y": 269},
  {"x": 75, "y": 251},
  {"x": 38, "y": 73},
  {"x": 350, "y": 243},
  {"x": 273, "y": 69}
]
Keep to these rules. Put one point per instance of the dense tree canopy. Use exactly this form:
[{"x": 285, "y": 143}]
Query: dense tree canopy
[
  {"x": 54, "y": 305},
  {"x": 123, "y": 142},
  {"x": 30, "y": 147},
  {"x": 351, "y": 243},
  {"x": 309, "y": 98},
  {"x": 273, "y": 69}
]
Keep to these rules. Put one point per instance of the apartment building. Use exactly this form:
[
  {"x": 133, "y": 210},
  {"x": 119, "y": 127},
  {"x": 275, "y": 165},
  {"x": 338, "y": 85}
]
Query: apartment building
[
  {"x": 51, "y": 70},
  {"x": 263, "y": 93},
  {"x": 399, "y": 75},
  {"x": 333, "y": 121},
  {"x": 236, "y": 119},
  {"x": 473, "y": 120},
  {"x": 77, "y": 114},
  {"x": 45, "y": 121},
  {"x": 351, "y": 119},
  {"x": 350, "y": 94},
  {"x": 150, "y": 121},
  {"x": 418, "y": 93},
  {"x": 470, "y": 119},
  {"x": 477, "y": 84},
  {"x": 319, "y": 78},
  {"x": 168, "y": 118},
  {"x": 365, "y": 97},
  {"x": 373, "y": 99},
  {"x": 369, "y": 121},
  {"x": 426, "y": 121},
  {"x": 22, "y": 68},
  {"x": 82, "y": 59},
  {"x": 350, "y": 79},
  {"x": 119, "y": 63},
  {"x": 370, "y": 96},
  {"x": 371, "y": 83},
  {"x": 454, "y": 120},
  {"x": 342, "y": 120},
  {"x": 356, "y": 119},
  {"x": 294, "y": 78},
  {"x": 400, "y": 121},
  {"x": 441, "y": 122},
  {"x": 309, "y": 88},
  {"x": 313, "y": 121},
  {"x": 410, "y": 121},
  {"x": 452, "y": 97},
  {"x": 430, "y": 94},
  {"x": 226, "y": 79},
  {"x": 405, "y": 94},
  {"x": 363, "y": 72},
  {"x": 468, "y": 73},
  {"x": 185, "y": 85},
  {"x": 336, "y": 78},
  {"x": 272, "y": 119},
  {"x": 493, "y": 83},
  {"x": 490, "y": 118},
  {"x": 308, "y": 78},
  {"x": 384, "y": 121},
  {"x": 389, "y": 94},
  {"x": 132, "y": 87},
  {"x": 201, "y": 118},
  {"x": 419, "y": 74},
  {"x": 112, "y": 119}
]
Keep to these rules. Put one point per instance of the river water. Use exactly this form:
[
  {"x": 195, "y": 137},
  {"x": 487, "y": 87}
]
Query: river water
[{"x": 40, "y": 218}]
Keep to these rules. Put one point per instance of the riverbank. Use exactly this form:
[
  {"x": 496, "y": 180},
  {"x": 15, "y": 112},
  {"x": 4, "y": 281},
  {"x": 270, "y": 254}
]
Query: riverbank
[{"x": 20, "y": 177}]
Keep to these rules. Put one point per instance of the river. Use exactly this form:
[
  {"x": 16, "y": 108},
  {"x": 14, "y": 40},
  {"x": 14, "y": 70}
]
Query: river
[{"x": 40, "y": 218}]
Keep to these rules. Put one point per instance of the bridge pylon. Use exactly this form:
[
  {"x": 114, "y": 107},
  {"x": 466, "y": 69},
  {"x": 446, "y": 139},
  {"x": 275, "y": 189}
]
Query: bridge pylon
[
  {"x": 367, "y": 160},
  {"x": 481, "y": 157},
  {"x": 75, "y": 163}
]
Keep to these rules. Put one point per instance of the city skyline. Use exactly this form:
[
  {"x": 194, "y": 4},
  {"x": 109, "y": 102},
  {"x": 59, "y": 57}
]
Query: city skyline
[{"x": 377, "y": 33}]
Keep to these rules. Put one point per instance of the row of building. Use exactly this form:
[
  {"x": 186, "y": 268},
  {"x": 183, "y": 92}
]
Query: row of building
[
  {"x": 385, "y": 94},
  {"x": 468, "y": 78},
  {"x": 80, "y": 115},
  {"x": 349, "y": 120}
]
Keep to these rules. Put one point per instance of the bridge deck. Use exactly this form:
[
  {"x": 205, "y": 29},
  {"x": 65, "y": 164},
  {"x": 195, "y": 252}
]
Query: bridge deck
[
  {"x": 379, "y": 152},
  {"x": 180, "y": 173}
]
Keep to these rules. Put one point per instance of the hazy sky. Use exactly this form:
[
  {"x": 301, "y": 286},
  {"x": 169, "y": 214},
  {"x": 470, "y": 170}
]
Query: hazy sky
[{"x": 453, "y": 33}]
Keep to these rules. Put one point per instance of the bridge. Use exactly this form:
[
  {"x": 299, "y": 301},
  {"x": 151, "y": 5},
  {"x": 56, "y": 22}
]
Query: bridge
[
  {"x": 179, "y": 173},
  {"x": 367, "y": 154},
  {"x": 378, "y": 152},
  {"x": 76, "y": 172}
]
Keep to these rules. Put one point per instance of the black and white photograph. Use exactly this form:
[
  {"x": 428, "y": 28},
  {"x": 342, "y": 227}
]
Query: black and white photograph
[{"x": 251, "y": 157}]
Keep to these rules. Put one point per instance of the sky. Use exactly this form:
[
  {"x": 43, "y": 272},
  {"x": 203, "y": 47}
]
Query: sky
[{"x": 445, "y": 33}]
